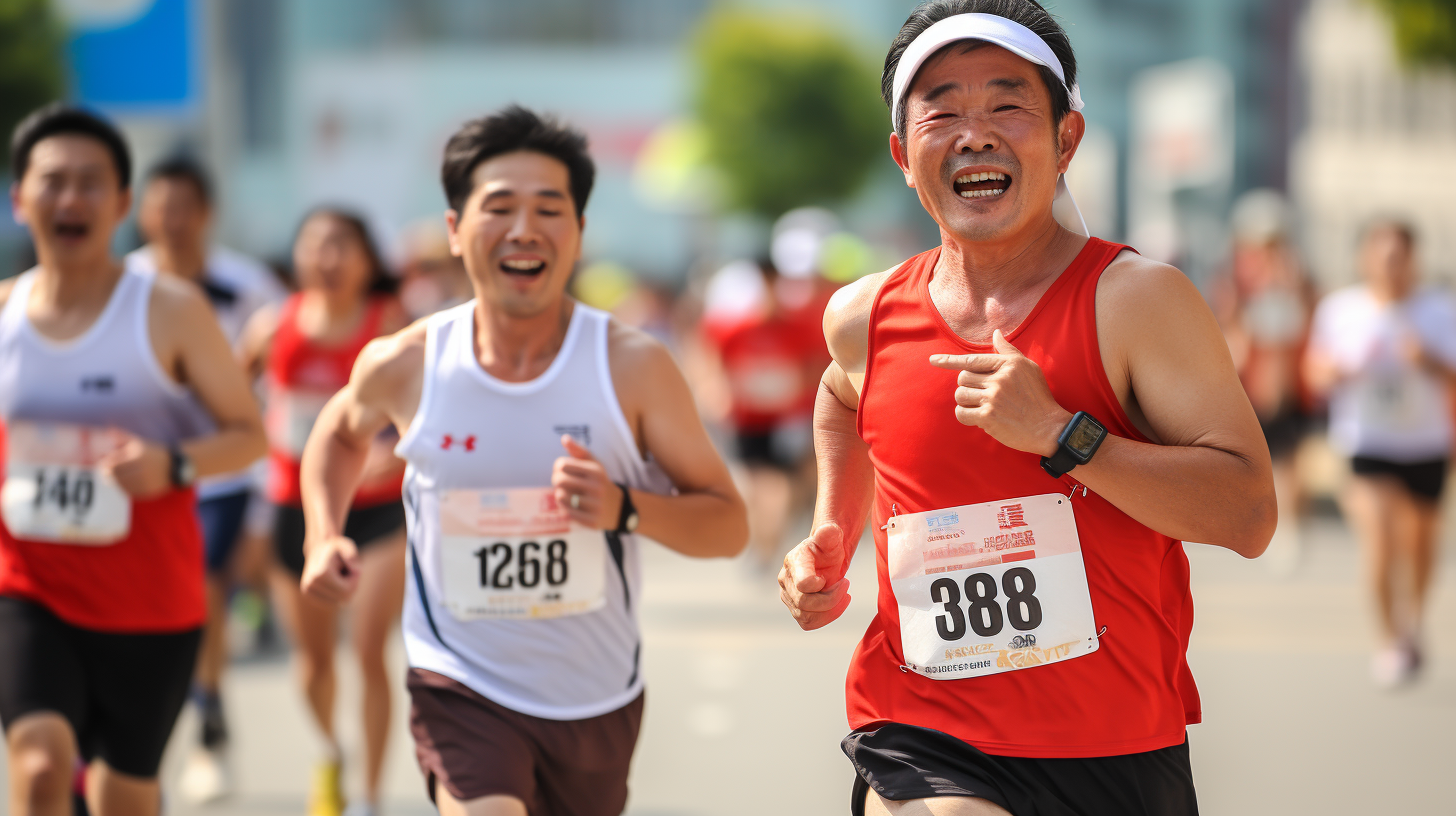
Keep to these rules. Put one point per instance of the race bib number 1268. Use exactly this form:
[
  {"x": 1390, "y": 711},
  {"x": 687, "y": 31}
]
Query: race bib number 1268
[{"x": 516, "y": 554}]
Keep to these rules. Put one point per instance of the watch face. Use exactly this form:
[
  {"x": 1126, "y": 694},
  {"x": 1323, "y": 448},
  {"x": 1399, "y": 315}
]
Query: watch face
[
  {"x": 632, "y": 523},
  {"x": 1084, "y": 436}
]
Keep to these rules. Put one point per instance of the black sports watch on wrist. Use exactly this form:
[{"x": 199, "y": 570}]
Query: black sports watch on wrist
[
  {"x": 627, "y": 519},
  {"x": 181, "y": 470},
  {"x": 1075, "y": 446}
]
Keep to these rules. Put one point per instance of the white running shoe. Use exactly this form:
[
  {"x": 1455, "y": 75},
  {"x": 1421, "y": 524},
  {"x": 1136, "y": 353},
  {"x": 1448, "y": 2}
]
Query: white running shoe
[
  {"x": 206, "y": 777},
  {"x": 1393, "y": 666}
]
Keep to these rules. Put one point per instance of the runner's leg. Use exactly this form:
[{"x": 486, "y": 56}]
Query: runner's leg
[
  {"x": 1368, "y": 504},
  {"x": 484, "y": 806},
  {"x": 1423, "y": 556},
  {"x": 374, "y": 611},
  {"x": 110, "y": 792},
  {"x": 875, "y": 805},
  {"x": 315, "y": 628},
  {"x": 41, "y": 749},
  {"x": 770, "y": 494}
]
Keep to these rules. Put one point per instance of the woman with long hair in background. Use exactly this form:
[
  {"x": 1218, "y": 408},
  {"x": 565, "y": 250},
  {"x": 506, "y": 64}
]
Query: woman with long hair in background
[{"x": 306, "y": 349}]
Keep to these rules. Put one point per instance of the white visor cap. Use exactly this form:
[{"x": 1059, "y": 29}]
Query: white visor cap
[{"x": 1014, "y": 37}]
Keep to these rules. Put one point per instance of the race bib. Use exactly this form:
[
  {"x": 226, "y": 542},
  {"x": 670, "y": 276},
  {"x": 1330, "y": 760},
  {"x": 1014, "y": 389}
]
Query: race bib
[
  {"x": 988, "y": 588},
  {"x": 516, "y": 554},
  {"x": 54, "y": 491},
  {"x": 291, "y": 417},
  {"x": 1399, "y": 400}
]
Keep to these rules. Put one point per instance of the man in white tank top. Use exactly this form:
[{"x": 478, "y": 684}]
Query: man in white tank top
[
  {"x": 542, "y": 438},
  {"x": 117, "y": 390}
]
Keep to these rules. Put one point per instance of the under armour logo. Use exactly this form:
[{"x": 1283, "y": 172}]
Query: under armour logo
[{"x": 449, "y": 442}]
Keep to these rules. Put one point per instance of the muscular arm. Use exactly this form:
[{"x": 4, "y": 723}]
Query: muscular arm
[
  {"x": 384, "y": 388},
  {"x": 707, "y": 517},
  {"x": 192, "y": 348},
  {"x": 1208, "y": 478},
  {"x": 812, "y": 583}
]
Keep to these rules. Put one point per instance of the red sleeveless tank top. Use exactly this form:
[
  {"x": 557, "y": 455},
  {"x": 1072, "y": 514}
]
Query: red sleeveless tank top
[
  {"x": 302, "y": 375},
  {"x": 1135, "y": 693}
]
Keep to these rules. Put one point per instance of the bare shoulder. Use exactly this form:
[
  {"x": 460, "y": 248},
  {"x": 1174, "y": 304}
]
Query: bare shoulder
[
  {"x": 635, "y": 355},
  {"x": 392, "y": 364},
  {"x": 1136, "y": 286},
  {"x": 6, "y": 287},
  {"x": 847, "y": 319},
  {"x": 175, "y": 299}
]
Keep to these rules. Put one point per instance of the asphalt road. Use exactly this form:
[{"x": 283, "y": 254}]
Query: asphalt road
[{"x": 745, "y": 712}]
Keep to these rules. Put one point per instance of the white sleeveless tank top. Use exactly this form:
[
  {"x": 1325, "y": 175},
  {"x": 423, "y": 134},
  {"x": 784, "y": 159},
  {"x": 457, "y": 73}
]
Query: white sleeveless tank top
[
  {"x": 475, "y": 432},
  {"x": 107, "y": 377}
]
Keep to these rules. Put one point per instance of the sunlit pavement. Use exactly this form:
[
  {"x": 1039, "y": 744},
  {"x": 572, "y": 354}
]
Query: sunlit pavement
[{"x": 745, "y": 712}]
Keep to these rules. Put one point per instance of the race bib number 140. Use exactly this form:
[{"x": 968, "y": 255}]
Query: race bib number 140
[
  {"x": 516, "y": 554},
  {"x": 988, "y": 588},
  {"x": 54, "y": 491}
]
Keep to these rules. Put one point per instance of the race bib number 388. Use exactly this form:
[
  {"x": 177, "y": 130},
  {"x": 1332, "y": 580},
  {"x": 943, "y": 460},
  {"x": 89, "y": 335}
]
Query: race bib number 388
[
  {"x": 988, "y": 588},
  {"x": 516, "y": 554},
  {"x": 53, "y": 489}
]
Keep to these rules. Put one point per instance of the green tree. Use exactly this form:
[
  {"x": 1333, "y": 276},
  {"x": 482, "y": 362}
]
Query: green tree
[
  {"x": 1425, "y": 30},
  {"x": 791, "y": 111},
  {"x": 31, "y": 72}
]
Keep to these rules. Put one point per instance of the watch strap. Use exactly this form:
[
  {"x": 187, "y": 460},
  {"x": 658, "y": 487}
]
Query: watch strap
[
  {"x": 627, "y": 509},
  {"x": 1058, "y": 464},
  {"x": 178, "y": 468}
]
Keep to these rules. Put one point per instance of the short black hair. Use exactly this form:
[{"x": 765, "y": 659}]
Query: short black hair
[
  {"x": 381, "y": 281},
  {"x": 57, "y": 119},
  {"x": 506, "y": 131},
  {"x": 1026, "y": 12},
  {"x": 183, "y": 167}
]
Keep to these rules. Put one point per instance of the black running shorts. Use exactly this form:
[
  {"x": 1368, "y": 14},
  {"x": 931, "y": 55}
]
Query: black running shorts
[
  {"x": 365, "y": 525},
  {"x": 121, "y": 693},
  {"x": 902, "y": 762},
  {"x": 1424, "y": 480}
]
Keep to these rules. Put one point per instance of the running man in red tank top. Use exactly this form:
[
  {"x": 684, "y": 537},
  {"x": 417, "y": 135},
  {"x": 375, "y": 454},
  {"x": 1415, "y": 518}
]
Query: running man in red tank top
[{"x": 1035, "y": 420}]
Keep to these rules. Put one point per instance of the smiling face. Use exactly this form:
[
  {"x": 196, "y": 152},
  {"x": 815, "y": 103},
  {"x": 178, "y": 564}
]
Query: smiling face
[
  {"x": 518, "y": 232},
  {"x": 71, "y": 199},
  {"x": 328, "y": 256},
  {"x": 981, "y": 148}
]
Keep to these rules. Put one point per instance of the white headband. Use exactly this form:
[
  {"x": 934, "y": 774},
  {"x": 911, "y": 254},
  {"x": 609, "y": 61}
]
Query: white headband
[{"x": 1014, "y": 37}]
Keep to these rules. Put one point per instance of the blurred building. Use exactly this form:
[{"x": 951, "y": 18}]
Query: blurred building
[{"x": 1378, "y": 139}]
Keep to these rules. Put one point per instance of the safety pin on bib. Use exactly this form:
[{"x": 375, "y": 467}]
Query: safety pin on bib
[
  {"x": 894, "y": 511},
  {"x": 1075, "y": 485}
]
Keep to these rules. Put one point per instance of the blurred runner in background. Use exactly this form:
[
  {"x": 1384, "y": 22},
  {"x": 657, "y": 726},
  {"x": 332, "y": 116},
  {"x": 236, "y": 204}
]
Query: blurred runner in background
[
  {"x": 770, "y": 357},
  {"x": 310, "y": 344},
  {"x": 540, "y": 434},
  {"x": 174, "y": 217},
  {"x": 1384, "y": 352},
  {"x": 1264, "y": 304},
  {"x": 117, "y": 391}
]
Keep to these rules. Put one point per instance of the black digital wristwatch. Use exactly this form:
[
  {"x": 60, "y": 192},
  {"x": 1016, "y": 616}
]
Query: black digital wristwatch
[{"x": 1075, "y": 446}]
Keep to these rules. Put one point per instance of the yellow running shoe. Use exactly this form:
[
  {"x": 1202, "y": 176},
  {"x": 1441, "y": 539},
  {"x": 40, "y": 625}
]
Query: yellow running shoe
[{"x": 327, "y": 796}]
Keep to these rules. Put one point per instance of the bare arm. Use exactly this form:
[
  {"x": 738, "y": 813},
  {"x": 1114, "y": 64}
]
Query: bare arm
[
  {"x": 384, "y": 388},
  {"x": 1207, "y": 476},
  {"x": 707, "y": 517},
  {"x": 191, "y": 350},
  {"x": 812, "y": 583}
]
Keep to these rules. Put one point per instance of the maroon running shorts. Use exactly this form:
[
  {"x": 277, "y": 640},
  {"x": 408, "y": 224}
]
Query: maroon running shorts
[{"x": 476, "y": 748}]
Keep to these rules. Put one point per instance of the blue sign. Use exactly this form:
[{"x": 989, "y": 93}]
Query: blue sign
[{"x": 142, "y": 62}]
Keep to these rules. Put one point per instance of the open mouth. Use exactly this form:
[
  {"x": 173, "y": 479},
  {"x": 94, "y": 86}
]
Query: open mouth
[
  {"x": 525, "y": 267},
  {"x": 982, "y": 185},
  {"x": 71, "y": 230}
]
